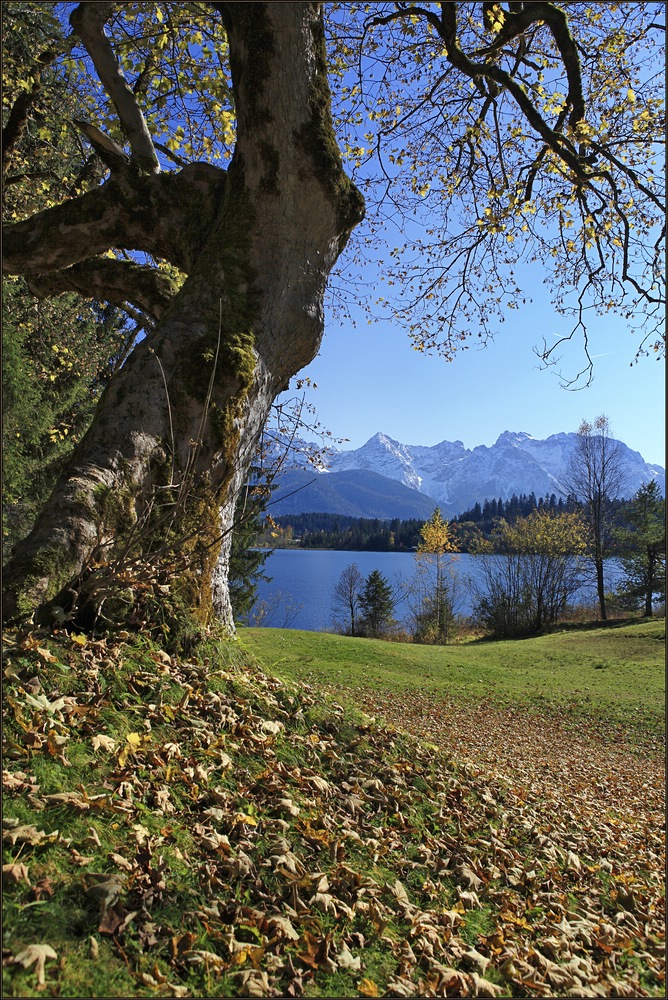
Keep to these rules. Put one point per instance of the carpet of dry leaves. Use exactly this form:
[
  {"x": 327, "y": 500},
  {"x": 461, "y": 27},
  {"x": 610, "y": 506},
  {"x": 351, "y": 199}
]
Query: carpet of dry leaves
[{"x": 319, "y": 844}]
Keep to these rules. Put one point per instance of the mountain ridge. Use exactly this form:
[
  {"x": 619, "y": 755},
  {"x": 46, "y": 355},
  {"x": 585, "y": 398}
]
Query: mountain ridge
[{"x": 448, "y": 474}]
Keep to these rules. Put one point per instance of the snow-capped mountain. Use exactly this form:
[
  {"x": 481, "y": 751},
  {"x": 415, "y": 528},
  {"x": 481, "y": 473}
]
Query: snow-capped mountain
[{"x": 458, "y": 477}]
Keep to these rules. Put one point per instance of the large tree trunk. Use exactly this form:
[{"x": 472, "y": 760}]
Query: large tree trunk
[{"x": 258, "y": 244}]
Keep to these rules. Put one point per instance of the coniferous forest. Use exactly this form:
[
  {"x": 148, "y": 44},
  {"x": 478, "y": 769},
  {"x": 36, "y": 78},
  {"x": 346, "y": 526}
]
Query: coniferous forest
[{"x": 359, "y": 534}]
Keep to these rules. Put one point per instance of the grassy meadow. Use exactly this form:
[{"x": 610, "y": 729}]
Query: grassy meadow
[
  {"x": 237, "y": 824},
  {"x": 615, "y": 674}
]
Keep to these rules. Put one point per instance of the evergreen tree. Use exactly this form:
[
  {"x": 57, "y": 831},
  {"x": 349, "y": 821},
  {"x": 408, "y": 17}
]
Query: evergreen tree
[
  {"x": 644, "y": 542},
  {"x": 377, "y": 605},
  {"x": 57, "y": 353},
  {"x": 247, "y": 561}
]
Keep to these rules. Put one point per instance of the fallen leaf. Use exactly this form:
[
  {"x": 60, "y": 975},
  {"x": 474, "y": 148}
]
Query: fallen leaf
[
  {"x": 106, "y": 891},
  {"x": 102, "y": 742},
  {"x": 16, "y": 872},
  {"x": 346, "y": 960},
  {"x": 42, "y": 888},
  {"x": 37, "y": 955},
  {"x": 29, "y": 835},
  {"x": 483, "y": 988}
]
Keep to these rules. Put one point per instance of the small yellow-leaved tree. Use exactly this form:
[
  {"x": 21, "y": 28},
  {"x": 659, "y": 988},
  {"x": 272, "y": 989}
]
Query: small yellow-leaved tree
[{"x": 434, "y": 590}]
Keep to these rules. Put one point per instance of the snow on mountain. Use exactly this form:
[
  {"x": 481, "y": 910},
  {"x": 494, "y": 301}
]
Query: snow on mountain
[
  {"x": 458, "y": 477},
  {"x": 383, "y": 455}
]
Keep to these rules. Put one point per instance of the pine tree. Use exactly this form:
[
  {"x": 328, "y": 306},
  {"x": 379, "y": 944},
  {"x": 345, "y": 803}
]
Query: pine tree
[
  {"x": 377, "y": 604},
  {"x": 247, "y": 561},
  {"x": 644, "y": 561}
]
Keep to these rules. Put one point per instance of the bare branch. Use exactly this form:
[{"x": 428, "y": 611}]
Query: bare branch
[
  {"x": 88, "y": 21},
  {"x": 109, "y": 152}
]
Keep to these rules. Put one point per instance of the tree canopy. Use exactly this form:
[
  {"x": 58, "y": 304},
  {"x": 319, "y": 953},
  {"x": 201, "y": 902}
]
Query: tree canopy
[{"x": 492, "y": 137}]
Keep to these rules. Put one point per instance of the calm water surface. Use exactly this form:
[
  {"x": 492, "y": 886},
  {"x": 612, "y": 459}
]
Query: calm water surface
[{"x": 299, "y": 594}]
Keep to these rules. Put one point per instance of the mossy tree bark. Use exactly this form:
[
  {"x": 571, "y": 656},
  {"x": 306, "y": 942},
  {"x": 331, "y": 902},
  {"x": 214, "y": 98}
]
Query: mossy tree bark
[{"x": 257, "y": 243}]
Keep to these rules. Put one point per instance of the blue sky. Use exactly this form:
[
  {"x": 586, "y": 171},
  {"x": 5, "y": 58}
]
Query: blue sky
[{"x": 371, "y": 379}]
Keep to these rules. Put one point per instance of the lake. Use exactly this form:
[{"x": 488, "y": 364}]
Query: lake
[{"x": 299, "y": 594}]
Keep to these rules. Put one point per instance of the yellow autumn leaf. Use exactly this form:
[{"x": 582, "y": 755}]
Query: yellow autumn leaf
[
  {"x": 367, "y": 988},
  {"x": 245, "y": 818},
  {"x": 79, "y": 639},
  {"x": 133, "y": 742}
]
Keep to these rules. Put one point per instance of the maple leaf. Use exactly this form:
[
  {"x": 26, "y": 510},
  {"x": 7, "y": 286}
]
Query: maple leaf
[
  {"x": 105, "y": 891},
  {"x": 100, "y": 741},
  {"x": 473, "y": 959},
  {"x": 29, "y": 835},
  {"x": 16, "y": 872},
  {"x": 346, "y": 960},
  {"x": 42, "y": 703},
  {"x": 282, "y": 928},
  {"x": 37, "y": 955}
]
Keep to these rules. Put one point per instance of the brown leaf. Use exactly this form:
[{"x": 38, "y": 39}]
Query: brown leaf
[
  {"x": 16, "y": 872},
  {"x": 483, "y": 988},
  {"x": 42, "y": 888},
  {"x": 122, "y": 862},
  {"x": 472, "y": 959},
  {"x": 73, "y": 799},
  {"x": 102, "y": 742},
  {"x": 111, "y": 919},
  {"x": 29, "y": 835}
]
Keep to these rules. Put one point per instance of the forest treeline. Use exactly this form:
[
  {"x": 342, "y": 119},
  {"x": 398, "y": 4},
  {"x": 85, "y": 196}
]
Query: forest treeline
[{"x": 361, "y": 534}]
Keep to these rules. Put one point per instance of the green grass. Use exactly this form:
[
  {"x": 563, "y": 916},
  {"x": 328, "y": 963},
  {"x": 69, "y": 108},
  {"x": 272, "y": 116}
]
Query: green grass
[{"x": 615, "y": 674}]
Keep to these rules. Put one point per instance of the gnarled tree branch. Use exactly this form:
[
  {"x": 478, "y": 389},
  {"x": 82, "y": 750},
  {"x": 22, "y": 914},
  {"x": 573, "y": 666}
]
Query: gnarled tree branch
[
  {"x": 167, "y": 215},
  {"x": 114, "y": 281}
]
